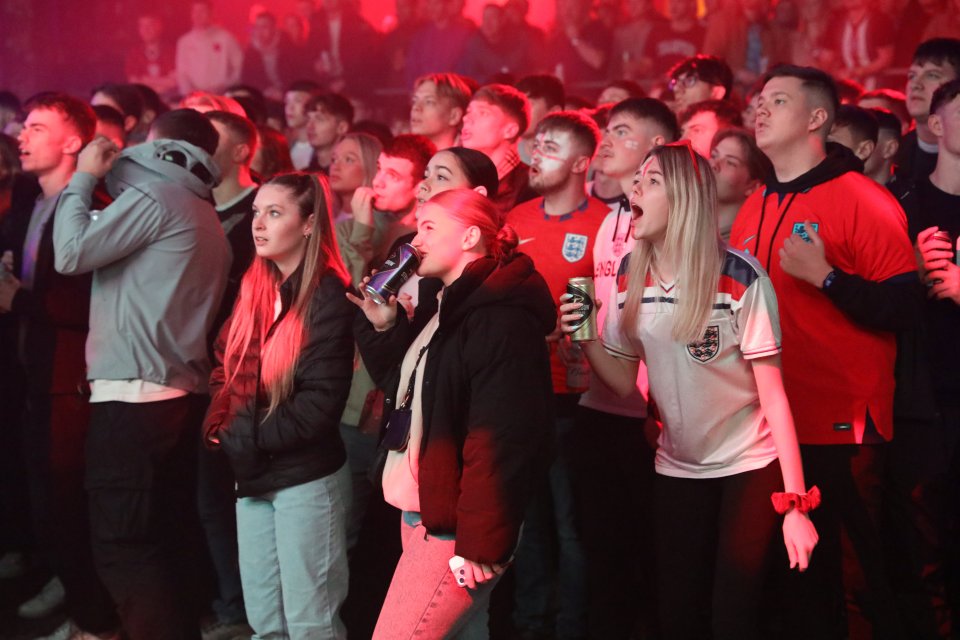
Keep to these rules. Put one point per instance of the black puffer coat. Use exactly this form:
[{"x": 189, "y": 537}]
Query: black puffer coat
[
  {"x": 487, "y": 401},
  {"x": 300, "y": 441}
]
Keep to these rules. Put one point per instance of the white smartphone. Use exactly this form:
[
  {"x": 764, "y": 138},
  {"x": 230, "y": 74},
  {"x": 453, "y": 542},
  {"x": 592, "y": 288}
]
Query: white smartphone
[{"x": 456, "y": 563}]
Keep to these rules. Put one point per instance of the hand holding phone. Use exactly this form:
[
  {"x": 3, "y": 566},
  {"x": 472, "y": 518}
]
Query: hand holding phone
[
  {"x": 470, "y": 574},
  {"x": 459, "y": 572}
]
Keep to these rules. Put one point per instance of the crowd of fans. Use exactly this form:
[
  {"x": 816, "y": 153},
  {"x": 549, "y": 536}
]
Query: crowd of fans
[{"x": 194, "y": 413}]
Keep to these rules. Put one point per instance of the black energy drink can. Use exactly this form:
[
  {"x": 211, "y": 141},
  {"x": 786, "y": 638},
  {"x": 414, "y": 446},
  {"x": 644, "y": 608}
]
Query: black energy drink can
[
  {"x": 396, "y": 270},
  {"x": 581, "y": 290}
]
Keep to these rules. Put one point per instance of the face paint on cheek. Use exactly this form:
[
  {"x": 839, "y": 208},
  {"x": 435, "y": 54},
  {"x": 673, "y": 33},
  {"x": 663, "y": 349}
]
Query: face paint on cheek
[
  {"x": 633, "y": 145},
  {"x": 550, "y": 163}
]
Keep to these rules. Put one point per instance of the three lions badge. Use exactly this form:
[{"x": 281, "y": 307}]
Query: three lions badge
[
  {"x": 574, "y": 247},
  {"x": 706, "y": 349}
]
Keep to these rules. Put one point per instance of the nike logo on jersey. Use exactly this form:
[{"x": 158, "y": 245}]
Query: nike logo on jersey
[{"x": 525, "y": 240}]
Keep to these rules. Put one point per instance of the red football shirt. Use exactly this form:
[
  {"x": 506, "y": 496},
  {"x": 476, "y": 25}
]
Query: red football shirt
[{"x": 834, "y": 370}]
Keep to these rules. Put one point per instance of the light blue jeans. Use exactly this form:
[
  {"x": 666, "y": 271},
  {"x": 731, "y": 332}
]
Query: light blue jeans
[
  {"x": 424, "y": 600},
  {"x": 293, "y": 559}
]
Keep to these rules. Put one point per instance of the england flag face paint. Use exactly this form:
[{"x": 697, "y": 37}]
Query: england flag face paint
[{"x": 554, "y": 153}]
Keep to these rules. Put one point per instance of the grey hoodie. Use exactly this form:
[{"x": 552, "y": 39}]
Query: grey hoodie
[{"x": 159, "y": 260}]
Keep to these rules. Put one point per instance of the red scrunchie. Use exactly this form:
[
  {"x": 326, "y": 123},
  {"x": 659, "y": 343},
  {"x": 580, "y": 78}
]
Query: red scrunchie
[{"x": 802, "y": 502}]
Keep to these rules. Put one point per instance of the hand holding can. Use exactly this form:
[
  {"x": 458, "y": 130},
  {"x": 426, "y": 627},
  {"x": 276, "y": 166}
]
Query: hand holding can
[
  {"x": 382, "y": 315},
  {"x": 396, "y": 270},
  {"x": 580, "y": 291}
]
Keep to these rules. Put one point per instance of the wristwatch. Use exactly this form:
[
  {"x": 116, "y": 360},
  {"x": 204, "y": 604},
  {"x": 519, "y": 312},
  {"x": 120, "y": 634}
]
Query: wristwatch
[{"x": 829, "y": 279}]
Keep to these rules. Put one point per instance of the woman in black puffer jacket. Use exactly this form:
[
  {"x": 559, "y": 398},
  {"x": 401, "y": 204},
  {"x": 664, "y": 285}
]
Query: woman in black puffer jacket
[
  {"x": 285, "y": 360},
  {"x": 474, "y": 379}
]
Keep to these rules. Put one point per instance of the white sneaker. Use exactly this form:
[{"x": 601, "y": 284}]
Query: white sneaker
[
  {"x": 69, "y": 631},
  {"x": 13, "y": 564},
  {"x": 42, "y": 604},
  {"x": 63, "y": 632}
]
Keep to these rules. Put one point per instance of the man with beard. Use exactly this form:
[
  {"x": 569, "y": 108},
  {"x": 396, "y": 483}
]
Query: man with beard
[{"x": 558, "y": 231}]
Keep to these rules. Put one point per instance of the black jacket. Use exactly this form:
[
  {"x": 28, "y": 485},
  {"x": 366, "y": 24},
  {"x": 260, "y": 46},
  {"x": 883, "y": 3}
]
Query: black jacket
[
  {"x": 300, "y": 441},
  {"x": 486, "y": 401},
  {"x": 55, "y": 312}
]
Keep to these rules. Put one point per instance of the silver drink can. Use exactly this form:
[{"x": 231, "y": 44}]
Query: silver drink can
[
  {"x": 396, "y": 270},
  {"x": 581, "y": 290}
]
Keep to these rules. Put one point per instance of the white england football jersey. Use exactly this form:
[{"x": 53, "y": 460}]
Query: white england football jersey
[{"x": 705, "y": 391}]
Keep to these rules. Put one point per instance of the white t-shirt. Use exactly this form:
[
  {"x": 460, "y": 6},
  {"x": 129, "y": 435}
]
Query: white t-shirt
[
  {"x": 132, "y": 391},
  {"x": 210, "y": 59},
  {"x": 713, "y": 425},
  {"x": 301, "y": 153},
  {"x": 401, "y": 472}
]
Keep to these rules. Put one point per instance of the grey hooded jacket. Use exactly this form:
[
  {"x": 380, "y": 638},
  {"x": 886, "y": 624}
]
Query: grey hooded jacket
[{"x": 159, "y": 260}]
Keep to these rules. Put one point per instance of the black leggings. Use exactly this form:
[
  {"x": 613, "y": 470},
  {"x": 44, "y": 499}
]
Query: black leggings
[{"x": 713, "y": 539}]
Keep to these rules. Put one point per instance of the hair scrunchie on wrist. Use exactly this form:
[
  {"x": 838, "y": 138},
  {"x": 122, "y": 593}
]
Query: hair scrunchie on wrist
[{"x": 802, "y": 502}]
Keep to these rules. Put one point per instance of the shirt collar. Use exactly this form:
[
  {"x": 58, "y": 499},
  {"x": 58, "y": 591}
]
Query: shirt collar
[{"x": 509, "y": 162}]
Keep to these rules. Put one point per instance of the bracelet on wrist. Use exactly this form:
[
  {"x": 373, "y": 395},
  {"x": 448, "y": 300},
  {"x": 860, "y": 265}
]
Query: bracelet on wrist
[{"x": 784, "y": 502}]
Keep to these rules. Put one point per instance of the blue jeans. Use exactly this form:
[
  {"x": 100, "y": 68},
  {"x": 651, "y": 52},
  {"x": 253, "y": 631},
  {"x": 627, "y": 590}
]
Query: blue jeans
[
  {"x": 424, "y": 601},
  {"x": 551, "y": 520},
  {"x": 293, "y": 558}
]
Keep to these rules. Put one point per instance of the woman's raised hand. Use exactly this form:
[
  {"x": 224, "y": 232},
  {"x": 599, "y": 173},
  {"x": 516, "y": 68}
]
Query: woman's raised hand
[{"x": 381, "y": 316}]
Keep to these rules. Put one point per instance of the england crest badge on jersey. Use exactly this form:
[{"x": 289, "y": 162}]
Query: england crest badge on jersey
[
  {"x": 574, "y": 247},
  {"x": 706, "y": 349}
]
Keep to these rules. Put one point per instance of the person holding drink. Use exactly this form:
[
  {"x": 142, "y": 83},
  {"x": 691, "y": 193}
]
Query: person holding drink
[
  {"x": 704, "y": 319},
  {"x": 468, "y": 383}
]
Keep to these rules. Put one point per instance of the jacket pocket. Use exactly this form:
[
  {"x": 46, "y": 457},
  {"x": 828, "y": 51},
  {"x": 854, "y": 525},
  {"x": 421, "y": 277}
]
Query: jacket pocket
[{"x": 238, "y": 441}]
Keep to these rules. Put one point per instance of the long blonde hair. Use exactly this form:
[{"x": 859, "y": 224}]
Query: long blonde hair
[
  {"x": 692, "y": 241},
  {"x": 254, "y": 311}
]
